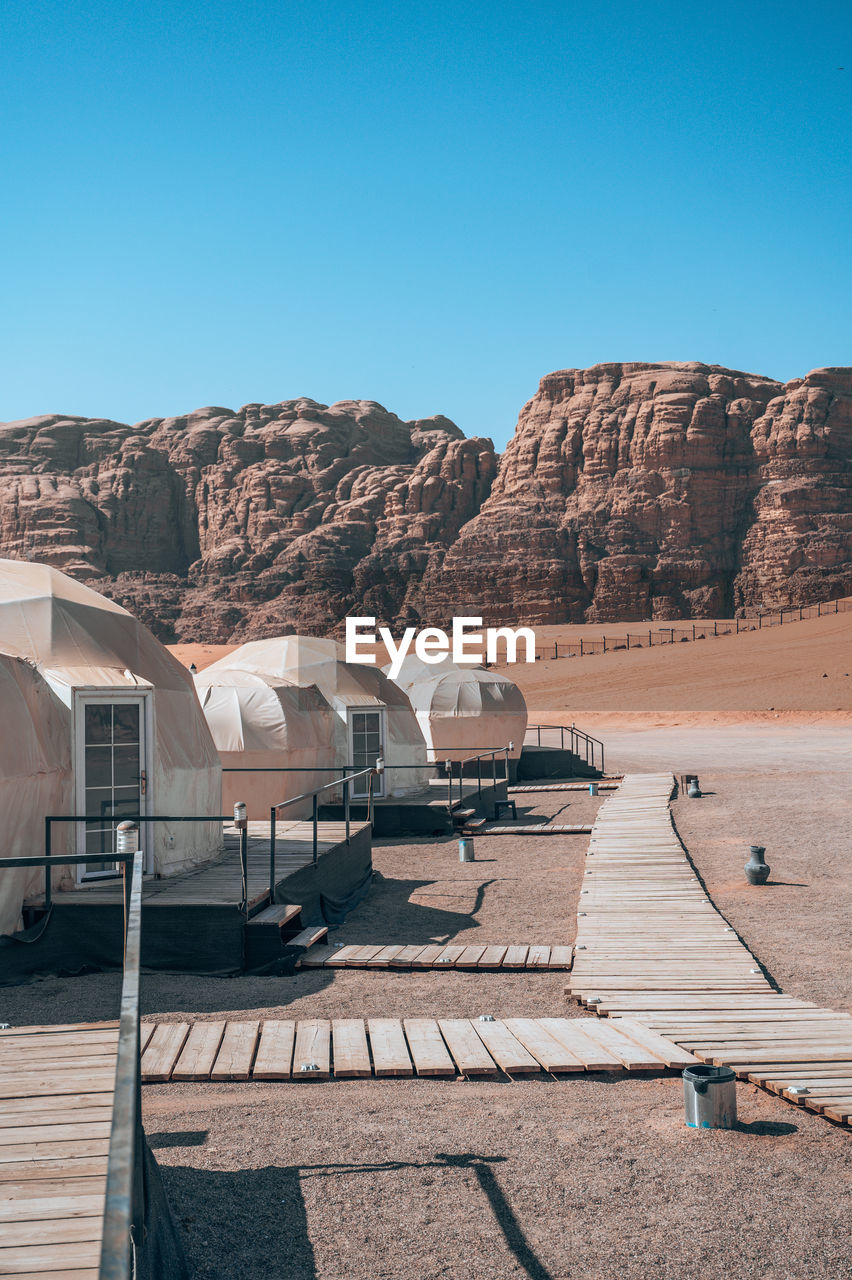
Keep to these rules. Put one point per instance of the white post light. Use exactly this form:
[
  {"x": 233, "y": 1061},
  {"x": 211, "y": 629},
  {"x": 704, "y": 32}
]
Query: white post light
[
  {"x": 127, "y": 837},
  {"x": 380, "y": 765},
  {"x": 240, "y": 815}
]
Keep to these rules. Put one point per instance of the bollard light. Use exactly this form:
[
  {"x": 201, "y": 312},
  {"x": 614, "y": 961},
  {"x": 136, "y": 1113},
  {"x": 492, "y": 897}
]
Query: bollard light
[
  {"x": 380, "y": 764},
  {"x": 127, "y": 837},
  {"x": 511, "y": 746},
  {"x": 240, "y": 815},
  {"x": 448, "y": 766}
]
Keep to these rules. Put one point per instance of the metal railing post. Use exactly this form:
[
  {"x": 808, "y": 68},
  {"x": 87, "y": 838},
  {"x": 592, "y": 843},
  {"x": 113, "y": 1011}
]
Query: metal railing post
[
  {"x": 479, "y": 781},
  {"x": 272, "y": 815},
  {"x": 316, "y": 832},
  {"x": 48, "y": 887},
  {"x": 244, "y": 864},
  {"x": 346, "y": 806}
]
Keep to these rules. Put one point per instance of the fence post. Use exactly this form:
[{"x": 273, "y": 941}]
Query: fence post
[
  {"x": 819, "y": 608},
  {"x": 693, "y": 630},
  {"x": 738, "y": 625},
  {"x": 628, "y": 642},
  {"x": 346, "y": 806},
  {"x": 315, "y": 809},
  {"x": 581, "y": 646},
  {"x": 604, "y": 642},
  {"x": 556, "y": 648},
  {"x": 650, "y": 641},
  {"x": 272, "y": 816}
]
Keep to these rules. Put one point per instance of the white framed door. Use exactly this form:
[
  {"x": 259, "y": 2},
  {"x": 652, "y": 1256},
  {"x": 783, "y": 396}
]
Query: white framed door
[
  {"x": 366, "y": 745},
  {"x": 112, "y": 772}
]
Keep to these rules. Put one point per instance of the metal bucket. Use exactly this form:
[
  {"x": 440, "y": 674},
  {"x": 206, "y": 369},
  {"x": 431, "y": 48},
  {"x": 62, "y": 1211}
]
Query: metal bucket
[
  {"x": 466, "y": 849},
  {"x": 710, "y": 1097}
]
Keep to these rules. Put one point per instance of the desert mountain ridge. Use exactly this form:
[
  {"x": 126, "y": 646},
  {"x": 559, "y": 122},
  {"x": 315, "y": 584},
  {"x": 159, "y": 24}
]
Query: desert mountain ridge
[{"x": 629, "y": 491}]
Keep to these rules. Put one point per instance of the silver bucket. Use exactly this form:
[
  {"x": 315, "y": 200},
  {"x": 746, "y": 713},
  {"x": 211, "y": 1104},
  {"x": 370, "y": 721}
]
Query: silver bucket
[
  {"x": 710, "y": 1097},
  {"x": 466, "y": 849}
]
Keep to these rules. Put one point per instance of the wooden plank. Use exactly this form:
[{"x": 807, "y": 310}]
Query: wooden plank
[
  {"x": 404, "y": 957},
  {"x": 236, "y": 1052},
  {"x": 569, "y": 1032},
  {"x": 426, "y": 958},
  {"x": 383, "y": 957},
  {"x": 199, "y": 1052},
  {"x": 469, "y": 1053},
  {"x": 19, "y": 1235},
  {"x": 390, "y": 1052},
  {"x": 12, "y": 1033},
  {"x": 163, "y": 1050},
  {"x": 515, "y": 957},
  {"x": 560, "y": 957},
  {"x": 544, "y": 1047},
  {"x": 492, "y": 957},
  {"x": 341, "y": 956},
  {"x": 313, "y": 1044},
  {"x": 470, "y": 958},
  {"x": 658, "y": 1045},
  {"x": 350, "y": 1049},
  {"x": 15, "y": 1134},
  {"x": 505, "y": 1048},
  {"x": 538, "y": 957},
  {"x": 40, "y": 1258},
  {"x": 275, "y": 1052},
  {"x": 428, "y": 1050},
  {"x": 49, "y": 1151},
  {"x": 448, "y": 956}
]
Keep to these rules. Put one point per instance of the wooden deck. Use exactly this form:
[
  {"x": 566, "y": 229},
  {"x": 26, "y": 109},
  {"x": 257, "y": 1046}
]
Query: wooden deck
[
  {"x": 349, "y": 1048},
  {"x": 219, "y": 881},
  {"x": 56, "y": 1092},
  {"x": 651, "y": 946}
]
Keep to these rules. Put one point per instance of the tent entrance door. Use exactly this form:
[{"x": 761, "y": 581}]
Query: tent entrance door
[
  {"x": 111, "y": 771},
  {"x": 366, "y": 745}
]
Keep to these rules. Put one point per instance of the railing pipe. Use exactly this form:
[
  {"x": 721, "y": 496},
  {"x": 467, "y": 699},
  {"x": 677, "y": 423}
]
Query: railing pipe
[{"x": 316, "y": 832}]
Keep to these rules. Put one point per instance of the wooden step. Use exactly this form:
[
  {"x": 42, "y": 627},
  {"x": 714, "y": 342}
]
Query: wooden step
[
  {"x": 462, "y": 815},
  {"x": 280, "y": 914},
  {"x": 308, "y": 936},
  {"x": 476, "y": 827}
]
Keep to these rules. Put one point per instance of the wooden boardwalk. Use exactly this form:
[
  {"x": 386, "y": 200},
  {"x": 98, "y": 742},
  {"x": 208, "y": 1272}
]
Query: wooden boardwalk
[
  {"x": 652, "y": 947},
  {"x": 350, "y": 1048},
  {"x": 220, "y": 881},
  {"x": 56, "y": 1104},
  {"x": 437, "y": 956}
]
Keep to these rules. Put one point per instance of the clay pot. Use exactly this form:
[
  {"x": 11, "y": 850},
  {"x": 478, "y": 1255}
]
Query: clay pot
[{"x": 757, "y": 871}]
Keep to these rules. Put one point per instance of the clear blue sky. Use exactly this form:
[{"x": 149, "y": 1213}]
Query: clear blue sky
[{"x": 430, "y": 205}]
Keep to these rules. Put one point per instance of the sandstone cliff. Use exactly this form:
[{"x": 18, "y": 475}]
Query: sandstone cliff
[{"x": 629, "y": 491}]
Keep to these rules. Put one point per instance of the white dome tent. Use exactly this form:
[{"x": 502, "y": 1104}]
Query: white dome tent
[
  {"x": 264, "y": 722},
  {"x": 128, "y": 716},
  {"x": 464, "y": 711},
  {"x": 372, "y": 716},
  {"x": 35, "y": 779}
]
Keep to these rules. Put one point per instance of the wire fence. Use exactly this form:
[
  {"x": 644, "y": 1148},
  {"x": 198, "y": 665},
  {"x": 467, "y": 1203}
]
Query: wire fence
[{"x": 658, "y": 635}]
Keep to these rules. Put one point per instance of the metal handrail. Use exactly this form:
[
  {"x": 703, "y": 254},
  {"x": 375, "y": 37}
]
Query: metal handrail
[
  {"x": 313, "y": 796},
  {"x": 577, "y": 737},
  {"x": 491, "y": 752},
  {"x": 124, "y": 1210}
]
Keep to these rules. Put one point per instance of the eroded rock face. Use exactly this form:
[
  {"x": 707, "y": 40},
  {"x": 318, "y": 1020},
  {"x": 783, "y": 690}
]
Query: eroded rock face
[
  {"x": 223, "y": 525},
  {"x": 662, "y": 491},
  {"x": 629, "y": 491}
]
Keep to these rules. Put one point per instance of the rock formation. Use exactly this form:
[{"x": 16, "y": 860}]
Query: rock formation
[{"x": 629, "y": 491}]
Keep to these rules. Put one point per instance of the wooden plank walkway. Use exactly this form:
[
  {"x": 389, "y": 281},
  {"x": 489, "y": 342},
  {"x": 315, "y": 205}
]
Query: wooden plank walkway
[
  {"x": 56, "y": 1099},
  {"x": 434, "y": 956},
  {"x": 350, "y": 1048},
  {"x": 654, "y": 955},
  {"x": 522, "y": 788},
  {"x": 535, "y": 829}
]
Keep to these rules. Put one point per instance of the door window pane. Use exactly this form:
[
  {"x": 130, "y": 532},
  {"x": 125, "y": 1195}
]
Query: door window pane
[
  {"x": 98, "y": 724},
  {"x": 98, "y": 766},
  {"x": 125, "y": 726},
  {"x": 126, "y": 766}
]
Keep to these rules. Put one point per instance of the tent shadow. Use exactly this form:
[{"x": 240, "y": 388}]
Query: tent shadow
[{"x": 387, "y": 916}]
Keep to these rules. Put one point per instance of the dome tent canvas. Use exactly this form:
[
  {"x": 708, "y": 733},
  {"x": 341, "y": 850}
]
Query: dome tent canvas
[
  {"x": 35, "y": 779},
  {"x": 464, "y": 711},
  {"x": 137, "y": 738},
  {"x": 265, "y": 722},
  {"x": 372, "y": 716}
]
